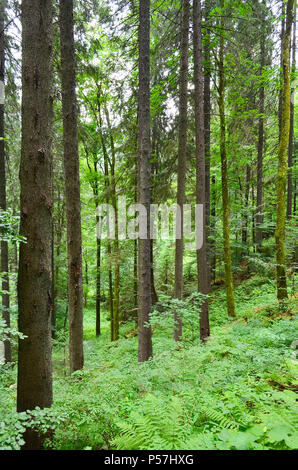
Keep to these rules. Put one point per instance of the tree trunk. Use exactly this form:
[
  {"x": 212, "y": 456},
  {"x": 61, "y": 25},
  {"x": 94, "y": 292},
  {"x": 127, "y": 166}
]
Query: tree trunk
[
  {"x": 72, "y": 186},
  {"x": 4, "y": 245},
  {"x": 87, "y": 283},
  {"x": 213, "y": 232},
  {"x": 224, "y": 178},
  {"x": 98, "y": 258},
  {"x": 154, "y": 296},
  {"x": 282, "y": 159},
  {"x": 135, "y": 273},
  {"x": 109, "y": 248},
  {"x": 144, "y": 287},
  {"x": 291, "y": 140},
  {"x": 59, "y": 225},
  {"x": 98, "y": 282},
  {"x": 182, "y": 147},
  {"x": 53, "y": 319},
  {"x": 280, "y": 90},
  {"x": 35, "y": 277},
  {"x": 116, "y": 295},
  {"x": 207, "y": 120},
  {"x": 259, "y": 212},
  {"x": 253, "y": 219},
  {"x": 245, "y": 212},
  {"x": 203, "y": 284},
  {"x": 108, "y": 185}
]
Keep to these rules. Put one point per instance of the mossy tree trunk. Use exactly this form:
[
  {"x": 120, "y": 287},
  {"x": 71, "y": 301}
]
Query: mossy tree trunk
[{"x": 282, "y": 158}]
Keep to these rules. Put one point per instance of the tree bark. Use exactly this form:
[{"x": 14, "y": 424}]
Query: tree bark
[
  {"x": 207, "y": 120},
  {"x": 245, "y": 212},
  {"x": 282, "y": 159},
  {"x": 182, "y": 147},
  {"x": 72, "y": 186},
  {"x": 109, "y": 197},
  {"x": 224, "y": 178},
  {"x": 4, "y": 244},
  {"x": 291, "y": 139},
  {"x": 280, "y": 90},
  {"x": 213, "y": 231},
  {"x": 35, "y": 277},
  {"x": 98, "y": 283},
  {"x": 116, "y": 295},
  {"x": 144, "y": 287},
  {"x": 259, "y": 212},
  {"x": 202, "y": 265}
]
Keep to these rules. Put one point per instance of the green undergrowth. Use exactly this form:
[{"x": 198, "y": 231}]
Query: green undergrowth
[{"x": 238, "y": 391}]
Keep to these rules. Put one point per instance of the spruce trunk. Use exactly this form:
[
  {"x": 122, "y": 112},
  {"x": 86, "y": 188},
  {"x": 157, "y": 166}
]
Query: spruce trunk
[
  {"x": 4, "y": 245},
  {"x": 203, "y": 284},
  {"x": 144, "y": 271},
  {"x": 224, "y": 178},
  {"x": 35, "y": 276},
  {"x": 182, "y": 147},
  {"x": 72, "y": 186}
]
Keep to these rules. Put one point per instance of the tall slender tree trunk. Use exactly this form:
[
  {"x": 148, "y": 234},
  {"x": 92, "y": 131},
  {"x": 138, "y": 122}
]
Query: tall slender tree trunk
[
  {"x": 53, "y": 319},
  {"x": 282, "y": 159},
  {"x": 213, "y": 231},
  {"x": 207, "y": 120},
  {"x": 35, "y": 277},
  {"x": 16, "y": 262},
  {"x": 282, "y": 31},
  {"x": 253, "y": 219},
  {"x": 202, "y": 265},
  {"x": 182, "y": 147},
  {"x": 98, "y": 255},
  {"x": 59, "y": 225},
  {"x": 116, "y": 299},
  {"x": 86, "y": 283},
  {"x": 144, "y": 271},
  {"x": 245, "y": 212},
  {"x": 154, "y": 172},
  {"x": 98, "y": 283},
  {"x": 154, "y": 296},
  {"x": 109, "y": 198},
  {"x": 291, "y": 139},
  {"x": 4, "y": 245},
  {"x": 94, "y": 186},
  {"x": 224, "y": 178},
  {"x": 259, "y": 212},
  {"x": 116, "y": 294},
  {"x": 109, "y": 247},
  {"x": 135, "y": 273},
  {"x": 72, "y": 186}
]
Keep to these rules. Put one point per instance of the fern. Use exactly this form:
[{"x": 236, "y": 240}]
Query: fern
[
  {"x": 219, "y": 418},
  {"x": 158, "y": 427}
]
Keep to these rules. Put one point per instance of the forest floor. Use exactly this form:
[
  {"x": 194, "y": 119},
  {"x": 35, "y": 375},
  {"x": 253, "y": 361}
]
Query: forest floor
[{"x": 236, "y": 392}]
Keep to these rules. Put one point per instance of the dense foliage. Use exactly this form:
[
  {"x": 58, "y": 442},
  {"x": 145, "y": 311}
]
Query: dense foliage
[
  {"x": 236, "y": 392},
  {"x": 237, "y": 389}
]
